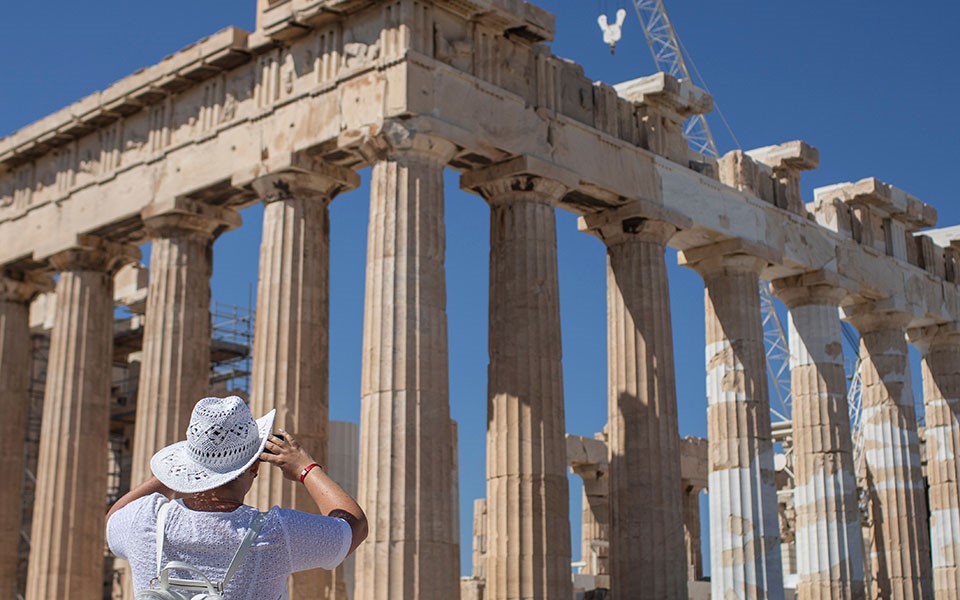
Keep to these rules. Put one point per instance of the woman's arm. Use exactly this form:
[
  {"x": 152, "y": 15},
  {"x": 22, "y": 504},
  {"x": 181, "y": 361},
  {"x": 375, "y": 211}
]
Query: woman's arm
[
  {"x": 286, "y": 453},
  {"x": 150, "y": 486}
]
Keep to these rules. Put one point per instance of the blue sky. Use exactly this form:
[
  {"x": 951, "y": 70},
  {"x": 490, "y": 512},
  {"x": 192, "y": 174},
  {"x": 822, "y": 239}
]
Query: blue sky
[{"x": 873, "y": 85}]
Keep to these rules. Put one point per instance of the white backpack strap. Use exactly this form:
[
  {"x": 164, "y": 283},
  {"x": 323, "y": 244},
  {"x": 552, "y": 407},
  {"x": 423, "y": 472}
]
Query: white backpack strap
[
  {"x": 161, "y": 523},
  {"x": 255, "y": 525}
]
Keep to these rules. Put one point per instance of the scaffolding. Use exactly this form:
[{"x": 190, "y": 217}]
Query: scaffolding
[{"x": 230, "y": 348}]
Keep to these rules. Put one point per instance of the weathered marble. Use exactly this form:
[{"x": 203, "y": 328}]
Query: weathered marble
[
  {"x": 67, "y": 540},
  {"x": 940, "y": 347},
  {"x": 290, "y": 346},
  {"x": 16, "y": 291},
  {"x": 406, "y": 450},
  {"x": 744, "y": 532},
  {"x": 647, "y": 553},
  {"x": 899, "y": 531},
  {"x": 175, "y": 368},
  {"x": 829, "y": 546},
  {"x": 528, "y": 542}
]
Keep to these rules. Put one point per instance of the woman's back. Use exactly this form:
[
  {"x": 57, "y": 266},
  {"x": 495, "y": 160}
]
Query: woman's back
[{"x": 289, "y": 541}]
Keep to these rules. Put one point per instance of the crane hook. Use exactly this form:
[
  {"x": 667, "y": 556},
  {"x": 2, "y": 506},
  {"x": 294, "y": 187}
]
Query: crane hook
[{"x": 612, "y": 31}]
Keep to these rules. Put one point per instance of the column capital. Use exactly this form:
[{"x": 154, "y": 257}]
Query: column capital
[
  {"x": 870, "y": 316},
  {"x": 397, "y": 139},
  {"x": 793, "y": 156},
  {"x": 321, "y": 180},
  {"x": 520, "y": 178},
  {"x": 88, "y": 253},
  {"x": 22, "y": 286},
  {"x": 639, "y": 221},
  {"x": 934, "y": 336},
  {"x": 818, "y": 287},
  {"x": 728, "y": 256},
  {"x": 177, "y": 217}
]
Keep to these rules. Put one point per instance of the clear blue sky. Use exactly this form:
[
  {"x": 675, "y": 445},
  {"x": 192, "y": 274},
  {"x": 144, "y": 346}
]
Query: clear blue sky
[{"x": 873, "y": 85}]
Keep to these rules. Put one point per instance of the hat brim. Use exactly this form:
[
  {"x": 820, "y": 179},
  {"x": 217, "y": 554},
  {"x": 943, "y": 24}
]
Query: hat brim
[{"x": 177, "y": 470}]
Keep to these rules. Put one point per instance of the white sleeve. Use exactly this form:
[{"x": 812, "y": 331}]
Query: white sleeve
[
  {"x": 314, "y": 540},
  {"x": 123, "y": 524}
]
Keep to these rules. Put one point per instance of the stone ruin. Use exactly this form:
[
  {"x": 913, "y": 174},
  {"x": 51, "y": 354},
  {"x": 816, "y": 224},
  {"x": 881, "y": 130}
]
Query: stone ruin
[{"x": 287, "y": 114}]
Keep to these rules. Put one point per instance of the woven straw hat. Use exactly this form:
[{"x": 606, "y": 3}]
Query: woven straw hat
[{"x": 222, "y": 442}]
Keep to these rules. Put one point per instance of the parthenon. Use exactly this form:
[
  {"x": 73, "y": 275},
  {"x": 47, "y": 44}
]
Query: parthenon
[{"x": 287, "y": 115}]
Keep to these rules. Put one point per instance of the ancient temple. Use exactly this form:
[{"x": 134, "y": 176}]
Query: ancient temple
[{"x": 287, "y": 114}]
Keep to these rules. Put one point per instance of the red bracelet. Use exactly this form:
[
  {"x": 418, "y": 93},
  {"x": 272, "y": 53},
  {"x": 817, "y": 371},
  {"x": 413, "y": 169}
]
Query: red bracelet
[{"x": 306, "y": 470}]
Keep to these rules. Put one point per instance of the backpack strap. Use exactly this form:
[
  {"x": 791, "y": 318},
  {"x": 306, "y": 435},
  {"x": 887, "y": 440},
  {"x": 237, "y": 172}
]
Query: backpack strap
[
  {"x": 255, "y": 525},
  {"x": 161, "y": 524}
]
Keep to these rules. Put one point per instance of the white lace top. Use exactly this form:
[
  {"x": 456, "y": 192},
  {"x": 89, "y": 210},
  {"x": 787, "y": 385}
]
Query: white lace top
[{"x": 290, "y": 541}]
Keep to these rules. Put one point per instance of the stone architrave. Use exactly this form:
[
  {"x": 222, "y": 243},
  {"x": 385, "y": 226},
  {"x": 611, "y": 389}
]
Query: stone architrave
[
  {"x": 899, "y": 545},
  {"x": 528, "y": 543},
  {"x": 406, "y": 451},
  {"x": 744, "y": 530},
  {"x": 16, "y": 291},
  {"x": 829, "y": 545},
  {"x": 175, "y": 369},
  {"x": 290, "y": 345},
  {"x": 647, "y": 552},
  {"x": 67, "y": 540},
  {"x": 940, "y": 347}
]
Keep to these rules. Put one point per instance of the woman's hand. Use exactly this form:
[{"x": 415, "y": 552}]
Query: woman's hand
[{"x": 284, "y": 451}]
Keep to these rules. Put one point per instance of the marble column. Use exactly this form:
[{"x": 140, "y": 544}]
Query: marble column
[
  {"x": 900, "y": 544},
  {"x": 744, "y": 529},
  {"x": 175, "y": 370},
  {"x": 594, "y": 528},
  {"x": 290, "y": 345},
  {"x": 595, "y": 514},
  {"x": 406, "y": 451},
  {"x": 941, "y": 398},
  {"x": 829, "y": 545},
  {"x": 691, "y": 532},
  {"x": 67, "y": 540},
  {"x": 528, "y": 542},
  {"x": 647, "y": 553},
  {"x": 16, "y": 291}
]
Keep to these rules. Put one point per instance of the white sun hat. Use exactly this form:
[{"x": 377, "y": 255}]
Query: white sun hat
[{"x": 222, "y": 442}]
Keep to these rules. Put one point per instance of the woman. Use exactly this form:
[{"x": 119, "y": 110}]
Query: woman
[{"x": 214, "y": 470}]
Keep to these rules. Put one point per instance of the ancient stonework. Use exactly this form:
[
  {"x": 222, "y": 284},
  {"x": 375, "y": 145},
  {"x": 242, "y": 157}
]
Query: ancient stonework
[{"x": 323, "y": 90}]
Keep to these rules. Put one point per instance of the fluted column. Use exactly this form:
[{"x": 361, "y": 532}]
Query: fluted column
[
  {"x": 406, "y": 451},
  {"x": 67, "y": 540},
  {"x": 744, "y": 530},
  {"x": 175, "y": 370},
  {"x": 941, "y": 399},
  {"x": 829, "y": 544},
  {"x": 16, "y": 291},
  {"x": 528, "y": 543},
  {"x": 290, "y": 345},
  {"x": 647, "y": 554},
  {"x": 900, "y": 545}
]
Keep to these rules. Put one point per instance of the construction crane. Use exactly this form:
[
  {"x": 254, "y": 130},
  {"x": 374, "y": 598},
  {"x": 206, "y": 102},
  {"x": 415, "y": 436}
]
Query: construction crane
[{"x": 668, "y": 55}]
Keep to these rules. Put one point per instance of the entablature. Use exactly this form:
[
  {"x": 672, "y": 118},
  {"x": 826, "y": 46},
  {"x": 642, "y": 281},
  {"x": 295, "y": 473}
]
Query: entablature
[{"x": 492, "y": 93}]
